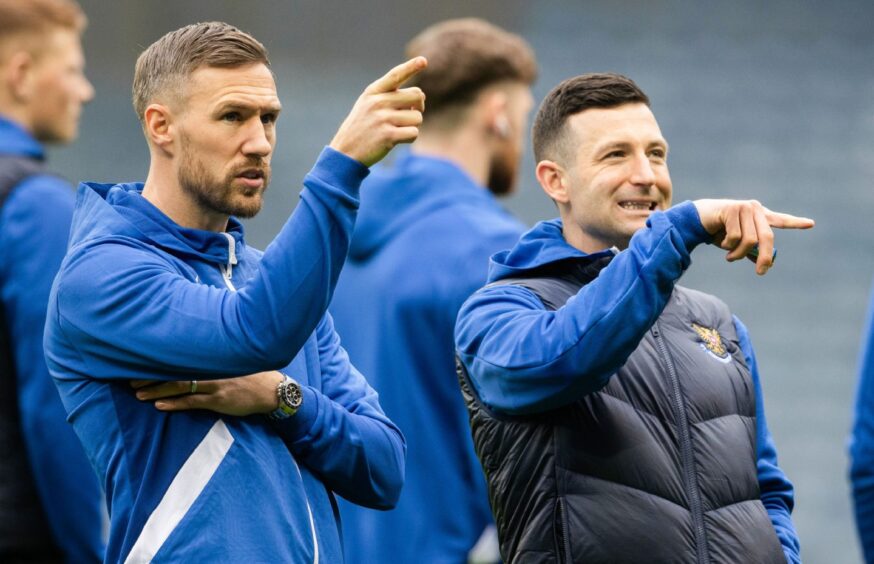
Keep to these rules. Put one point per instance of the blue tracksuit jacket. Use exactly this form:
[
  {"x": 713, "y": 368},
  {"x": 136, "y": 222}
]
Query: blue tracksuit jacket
[
  {"x": 139, "y": 297},
  {"x": 862, "y": 442},
  {"x": 522, "y": 358},
  {"x": 34, "y": 226},
  {"x": 420, "y": 248}
]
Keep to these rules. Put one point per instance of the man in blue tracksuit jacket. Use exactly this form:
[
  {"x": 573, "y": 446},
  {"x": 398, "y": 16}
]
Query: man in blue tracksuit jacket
[
  {"x": 619, "y": 417},
  {"x": 159, "y": 289},
  {"x": 50, "y": 502},
  {"x": 862, "y": 442},
  {"x": 427, "y": 225}
]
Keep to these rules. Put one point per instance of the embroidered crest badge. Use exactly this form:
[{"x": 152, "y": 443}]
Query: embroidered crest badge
[{"x": 711, "y": 341}]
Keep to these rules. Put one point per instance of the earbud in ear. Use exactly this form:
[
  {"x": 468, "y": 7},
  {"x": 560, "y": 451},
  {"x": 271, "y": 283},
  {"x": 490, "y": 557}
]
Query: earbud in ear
[{"x": 502, "y": 127}]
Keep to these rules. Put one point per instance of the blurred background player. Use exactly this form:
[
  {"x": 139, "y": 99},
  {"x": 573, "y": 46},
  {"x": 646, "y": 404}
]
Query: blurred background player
[
  {"x": 426, "y": 228},
  {"x": 50, "y": 502},
  {"x": 862, "y": 443}
]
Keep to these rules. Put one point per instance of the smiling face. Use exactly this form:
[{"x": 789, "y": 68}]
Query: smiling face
[
  {"x": 617, "y": 175},
  {"x": 226, "y": 134}
]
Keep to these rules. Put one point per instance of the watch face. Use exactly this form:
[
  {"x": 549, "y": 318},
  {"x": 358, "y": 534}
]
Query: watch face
[{"x": 292, "y": 394}]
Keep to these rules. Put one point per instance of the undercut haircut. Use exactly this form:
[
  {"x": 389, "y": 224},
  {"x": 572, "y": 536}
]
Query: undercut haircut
[
  {"x": 572, "y": 96},
  {"x": 166, "y": 65},
  {"x": 25, "y": 23},
  {"x": 464, "y": 57}
]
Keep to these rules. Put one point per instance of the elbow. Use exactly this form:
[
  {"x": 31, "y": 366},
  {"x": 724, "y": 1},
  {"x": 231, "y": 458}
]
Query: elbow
[
  {"x": 387, "y": 479},
  {"x": 387, "y": 492}
]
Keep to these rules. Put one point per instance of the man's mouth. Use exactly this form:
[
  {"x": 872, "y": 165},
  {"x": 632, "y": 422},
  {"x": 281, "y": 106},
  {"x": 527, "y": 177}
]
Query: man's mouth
[
  {"x": 638, "y": 205},
  {"x": 252, "y": 174}
]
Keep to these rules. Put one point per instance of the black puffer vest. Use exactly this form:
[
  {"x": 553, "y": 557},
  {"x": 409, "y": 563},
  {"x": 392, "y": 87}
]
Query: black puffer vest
[{"x": 658, "y": 466}]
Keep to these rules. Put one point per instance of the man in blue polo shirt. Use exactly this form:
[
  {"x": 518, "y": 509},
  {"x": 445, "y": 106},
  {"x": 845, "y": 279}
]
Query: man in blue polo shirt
[
  {"x": 160, "y": 288},
  {"x": 50, "y": 502}
]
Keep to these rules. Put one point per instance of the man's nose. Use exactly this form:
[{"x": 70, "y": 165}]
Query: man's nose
[
  {"x": 257, "y": 143},
  {"x": 642, "y": 173},
  {"x": 87, "y": 90}
]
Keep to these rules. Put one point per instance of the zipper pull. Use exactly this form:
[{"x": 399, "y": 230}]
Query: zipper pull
[{"x": 655, "y": 330}]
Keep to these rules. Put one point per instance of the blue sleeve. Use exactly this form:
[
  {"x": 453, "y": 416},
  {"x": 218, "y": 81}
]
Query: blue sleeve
[
  {"x": 862, "y": 442},
  {"x": 35, "y": 225},
  {"x": 522, "y": 358},
  {"x": 148, "y": 321},
  {"x": 775, "y": 488},
  {"x": 343, "y": 435}
]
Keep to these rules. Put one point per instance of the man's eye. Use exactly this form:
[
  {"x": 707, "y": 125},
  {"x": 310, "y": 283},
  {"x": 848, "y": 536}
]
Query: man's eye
[
  {"x": 658, "y": 153},
  {"x": 268, "y": 118},
  {"x": 231, "y": 117},
  {"x": 614, "y": 155}
]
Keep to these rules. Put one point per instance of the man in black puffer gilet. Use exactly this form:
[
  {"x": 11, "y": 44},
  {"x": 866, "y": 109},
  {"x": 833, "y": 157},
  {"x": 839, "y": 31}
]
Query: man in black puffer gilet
[
  {"x": 576, "y": 484},
  {"x": 618, "y": 416}
]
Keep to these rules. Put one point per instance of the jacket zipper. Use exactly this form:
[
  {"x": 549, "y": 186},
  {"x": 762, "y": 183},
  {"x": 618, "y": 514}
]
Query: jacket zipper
[
  {"x": 228, "y": 269},
  {"x": 686, "y": 454},
  {"x": 565, "y": 548},
  {"x": 227, "y": 273}
]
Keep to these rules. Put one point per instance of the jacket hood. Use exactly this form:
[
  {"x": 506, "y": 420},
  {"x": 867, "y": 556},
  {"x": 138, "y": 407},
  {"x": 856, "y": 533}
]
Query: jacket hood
[
  {"x": 104, "y": 210},
  {"x": 387, "y": 207},
  {"x": 543, "y": 244}
]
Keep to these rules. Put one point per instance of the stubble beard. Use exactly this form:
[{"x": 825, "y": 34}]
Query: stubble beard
[
  {"x": 217, "y": 194},
  {"x": 503, "y": 169}
]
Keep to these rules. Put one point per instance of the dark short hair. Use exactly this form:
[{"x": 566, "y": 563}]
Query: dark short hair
[
  {"x": 167, "y": 63},
  {"x": 464, "y": 57},
  {"x": 572, "y": 96}
]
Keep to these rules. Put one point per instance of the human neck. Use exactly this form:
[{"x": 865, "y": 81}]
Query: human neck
[
  {"x": 579, "y": 239},
  {"x": 162, "y": 190},
  {"x": 463, "y": 147},
  {"x": 16, "y": 114}
]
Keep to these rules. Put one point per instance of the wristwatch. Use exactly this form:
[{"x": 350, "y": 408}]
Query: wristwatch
[{"x": 290, "y": 397}]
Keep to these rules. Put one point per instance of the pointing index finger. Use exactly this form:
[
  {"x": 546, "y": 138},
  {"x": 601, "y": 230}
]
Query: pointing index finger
[
  {"x": 786, "y": 221},
  {"x": 393, "y": 79}
]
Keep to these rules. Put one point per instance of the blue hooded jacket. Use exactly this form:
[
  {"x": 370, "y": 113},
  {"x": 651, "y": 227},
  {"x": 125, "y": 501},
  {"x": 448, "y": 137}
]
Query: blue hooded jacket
[
  {"x": 34, "y": 226},
  {"x": 420, "y": 248},
  {"x": 522, "y": 358},
  {"x": 139, "y": 297},
  {"x": 862, "y": 442}
]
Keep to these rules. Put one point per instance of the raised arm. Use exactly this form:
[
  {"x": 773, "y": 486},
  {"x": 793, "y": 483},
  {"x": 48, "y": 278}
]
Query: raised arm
[
  {"x": 523, "y": 359},
  {"x": 158, "y": 323}
]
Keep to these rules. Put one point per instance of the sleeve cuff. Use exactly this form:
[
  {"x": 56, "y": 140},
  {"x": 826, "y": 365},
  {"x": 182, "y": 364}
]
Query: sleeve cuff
[
  {"x": 337, "y": 169},
  {"x": 687, "y": 222}
]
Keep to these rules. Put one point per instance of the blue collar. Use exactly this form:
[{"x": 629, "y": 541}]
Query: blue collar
[{"x": 15, "y": 140}]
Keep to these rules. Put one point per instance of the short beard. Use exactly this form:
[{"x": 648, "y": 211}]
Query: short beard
[
  {"x": 503, "y": 169},
  {"x": 217, "y": 194}
]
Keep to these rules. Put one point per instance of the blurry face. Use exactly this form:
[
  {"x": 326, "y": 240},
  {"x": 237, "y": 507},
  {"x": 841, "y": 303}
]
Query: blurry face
[
  {"x": 504, "y": 168},
  {"x": 61, "y": 87},
  {"x": 618, "y": 175},
  {"x": 226, "y": 133}
]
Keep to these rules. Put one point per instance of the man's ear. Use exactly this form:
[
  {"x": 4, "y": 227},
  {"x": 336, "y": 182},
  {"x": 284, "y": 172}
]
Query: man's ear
[
  {"x": 18, "y": 75},
  {"x": 495, "y": 113},
  {"x": 553, "y": 179},
  {"x": 157, "y": 124}
]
